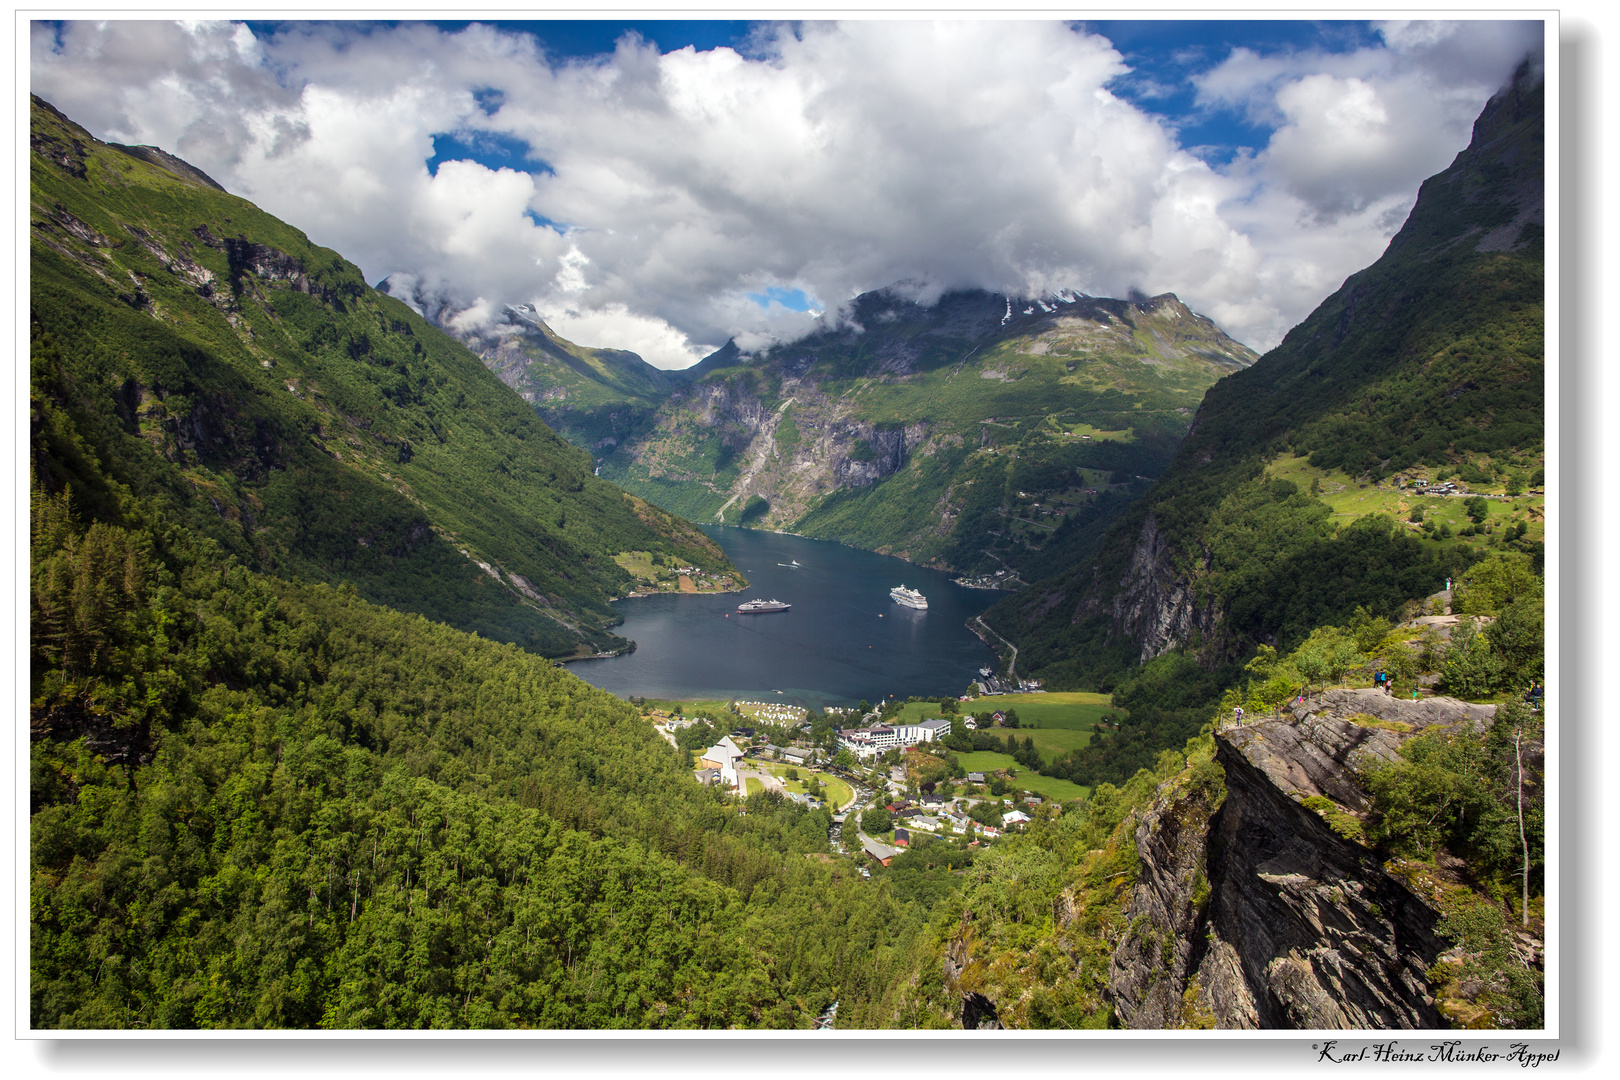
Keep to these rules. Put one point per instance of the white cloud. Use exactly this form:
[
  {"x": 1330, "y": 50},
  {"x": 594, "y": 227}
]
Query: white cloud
[
  {"x": 1354, "y": 128},
  {"x": 842, "y": 157}
]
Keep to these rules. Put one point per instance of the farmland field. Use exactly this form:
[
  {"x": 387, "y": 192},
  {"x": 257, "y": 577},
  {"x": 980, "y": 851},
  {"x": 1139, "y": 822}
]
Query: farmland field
[{"x": 1044, "y": 786}]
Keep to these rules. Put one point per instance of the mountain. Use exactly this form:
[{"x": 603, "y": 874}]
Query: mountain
[
  {"x": 544, "y": 368},
  {"x": 981, "y": 433},
  {"x": 1306, "y": 485},
  {"x": 194, "y": 352}
]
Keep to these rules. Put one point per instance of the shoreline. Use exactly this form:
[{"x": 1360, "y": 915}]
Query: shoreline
[{"x": 676, "y": 592}]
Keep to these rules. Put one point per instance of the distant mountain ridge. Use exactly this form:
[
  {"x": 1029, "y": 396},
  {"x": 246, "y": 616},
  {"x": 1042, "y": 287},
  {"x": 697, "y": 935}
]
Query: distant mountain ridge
[
  {"x": 542, "y": 366},
  {"x": 876, "y": 429}
]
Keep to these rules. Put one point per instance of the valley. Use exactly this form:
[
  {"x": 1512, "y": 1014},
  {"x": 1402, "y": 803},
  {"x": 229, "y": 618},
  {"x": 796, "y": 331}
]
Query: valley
[
  {"x": 969, "y": 435},
  {"x": 385, "y": 679}
]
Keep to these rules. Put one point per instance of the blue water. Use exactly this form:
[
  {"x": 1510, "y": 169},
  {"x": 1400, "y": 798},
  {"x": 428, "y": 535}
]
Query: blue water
[{"x": 844, "y": 640}]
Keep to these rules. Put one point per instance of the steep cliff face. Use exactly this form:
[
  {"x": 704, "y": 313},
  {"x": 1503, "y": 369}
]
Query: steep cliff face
[
  {"x": 1154, "y": 606},
  {"x": 1259, "y": 914}
]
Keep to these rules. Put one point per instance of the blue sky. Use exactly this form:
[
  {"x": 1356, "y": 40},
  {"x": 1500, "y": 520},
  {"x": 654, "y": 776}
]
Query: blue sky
[
  {"x": 1165, "y": 56},
  {"x": 663, "y": 186}
]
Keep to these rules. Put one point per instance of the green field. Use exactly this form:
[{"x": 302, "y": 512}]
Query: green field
[
  {"x": 1044, "y": 786},
  {"x": 721, "y": 709},
  {"x": 1076, "y": 711},
  {"x": 1350, "y": 499},
  {"x": 1053, "y": 742},
  {"x": 1064, "y": 719},
  {"x": 838, "y": 793}
]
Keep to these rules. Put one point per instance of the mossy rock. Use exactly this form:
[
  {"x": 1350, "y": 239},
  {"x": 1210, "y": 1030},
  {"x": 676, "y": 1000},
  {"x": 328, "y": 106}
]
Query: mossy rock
[
  {"x": 1338, "y": 819},
  {"x": 1369, "y": 720}
]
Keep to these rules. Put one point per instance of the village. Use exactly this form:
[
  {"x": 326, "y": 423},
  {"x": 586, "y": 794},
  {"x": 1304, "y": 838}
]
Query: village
[{"x": 886, "y": 787}]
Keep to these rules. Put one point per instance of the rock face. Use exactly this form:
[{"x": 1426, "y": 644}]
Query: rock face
[
  {"x": 1258, "y": 914},
  {"x": 1154, "y": 606},
  {"x": 965, "y": 977}
]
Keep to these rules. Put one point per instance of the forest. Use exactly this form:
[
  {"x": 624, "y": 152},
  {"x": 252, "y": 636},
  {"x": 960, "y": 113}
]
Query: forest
[{"x": 270, "y": 804}]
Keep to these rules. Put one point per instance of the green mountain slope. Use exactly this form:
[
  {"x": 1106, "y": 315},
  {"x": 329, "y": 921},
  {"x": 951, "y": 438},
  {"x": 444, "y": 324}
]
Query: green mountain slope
[
  {"x": 207, "y": 354},
  {"x": 260, "y": 800},
  {"x": 270, "y": 804},
  {"x": 979, "y": 433},
  {"x": 1424, "y": 366}
]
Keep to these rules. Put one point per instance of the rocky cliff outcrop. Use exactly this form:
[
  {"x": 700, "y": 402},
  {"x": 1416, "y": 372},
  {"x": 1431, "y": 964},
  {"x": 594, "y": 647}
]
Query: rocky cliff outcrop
[
  {"x": 1259, "y": 914},
  {"x": 1154, "y": 606}
]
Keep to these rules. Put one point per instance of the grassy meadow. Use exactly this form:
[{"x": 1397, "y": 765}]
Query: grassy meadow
[
  {"x": 1048, "y": 787},
  {"x": 1351, "y": 499}
]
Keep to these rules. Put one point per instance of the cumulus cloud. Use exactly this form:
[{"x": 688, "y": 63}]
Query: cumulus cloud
[{"x": 830, "y": 158}]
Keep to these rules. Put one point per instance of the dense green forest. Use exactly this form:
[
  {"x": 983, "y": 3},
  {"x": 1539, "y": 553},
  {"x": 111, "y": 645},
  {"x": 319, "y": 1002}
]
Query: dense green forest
[
  {"x": 271, "y": 804},
  {"x": 217, "y": 361}
]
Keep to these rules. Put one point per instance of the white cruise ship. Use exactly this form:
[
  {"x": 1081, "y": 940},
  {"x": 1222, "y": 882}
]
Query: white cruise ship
[{"x": 909, "y": 598}]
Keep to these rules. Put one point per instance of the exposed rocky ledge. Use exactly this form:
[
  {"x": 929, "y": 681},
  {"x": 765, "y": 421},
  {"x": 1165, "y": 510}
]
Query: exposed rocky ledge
[{"x": 1257, "y": 914}]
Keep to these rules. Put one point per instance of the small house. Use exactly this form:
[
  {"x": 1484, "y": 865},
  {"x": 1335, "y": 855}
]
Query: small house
[{"x": 883, "y": 853}]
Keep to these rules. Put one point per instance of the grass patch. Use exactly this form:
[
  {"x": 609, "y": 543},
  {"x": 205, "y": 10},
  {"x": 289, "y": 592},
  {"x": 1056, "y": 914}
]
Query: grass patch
[
  {"x": 754, "y": 786},
  {"x": 1048, "y": 787},
  {"x": 1339, "y": 820},
  {"x": 638, "y": 564},
  {"x": 1076, "y": 710},
  {"x": 712, "y": 706},
  {"x": 839, "y": 794},
  {"x": 1080, "y": 431},
  {"x": 1367, "y": 720},
  {"x": 1054, "y": 742}
]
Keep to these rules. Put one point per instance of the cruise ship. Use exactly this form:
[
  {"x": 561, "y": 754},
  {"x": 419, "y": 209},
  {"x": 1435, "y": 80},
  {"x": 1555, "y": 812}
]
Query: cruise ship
[
  {"x": 909, "y": 598},
  {"x": 760, "y": 607}
]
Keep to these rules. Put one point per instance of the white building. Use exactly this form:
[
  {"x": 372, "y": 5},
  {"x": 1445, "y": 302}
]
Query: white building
[
  {"x": 922, "y": 731},
  {"x": 723, "y": 757}
]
